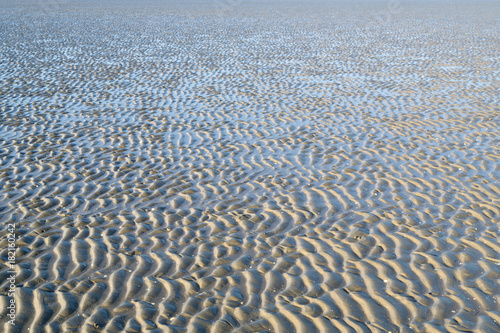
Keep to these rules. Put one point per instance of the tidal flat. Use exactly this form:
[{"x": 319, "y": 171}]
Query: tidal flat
[{"x": 250, "y": 166}]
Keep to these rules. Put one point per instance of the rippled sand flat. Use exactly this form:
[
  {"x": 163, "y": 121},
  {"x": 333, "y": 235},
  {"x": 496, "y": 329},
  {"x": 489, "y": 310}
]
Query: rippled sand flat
[{"x": 251, "y": 166}]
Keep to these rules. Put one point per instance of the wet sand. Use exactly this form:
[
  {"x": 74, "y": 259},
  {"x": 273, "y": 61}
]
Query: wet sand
[{"x": 251, "y": 167}]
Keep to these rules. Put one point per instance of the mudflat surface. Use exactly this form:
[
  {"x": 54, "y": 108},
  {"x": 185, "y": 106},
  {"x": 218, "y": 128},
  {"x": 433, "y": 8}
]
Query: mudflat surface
[{"x": 251, "y": 167}]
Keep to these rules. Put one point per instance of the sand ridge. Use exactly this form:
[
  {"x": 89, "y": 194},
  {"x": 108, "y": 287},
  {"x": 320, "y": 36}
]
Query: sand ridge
[{"x": 184, "y": 171}]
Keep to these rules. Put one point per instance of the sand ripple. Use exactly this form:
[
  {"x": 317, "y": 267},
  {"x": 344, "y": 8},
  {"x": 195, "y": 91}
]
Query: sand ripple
[{"x": 177, "y": 170}]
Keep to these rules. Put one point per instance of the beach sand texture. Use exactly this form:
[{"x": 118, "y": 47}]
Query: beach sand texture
[{"x": 251, "y": 167}]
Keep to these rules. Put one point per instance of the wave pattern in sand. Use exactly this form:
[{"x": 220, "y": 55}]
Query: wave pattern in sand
[{"x": 174, "y": 172}]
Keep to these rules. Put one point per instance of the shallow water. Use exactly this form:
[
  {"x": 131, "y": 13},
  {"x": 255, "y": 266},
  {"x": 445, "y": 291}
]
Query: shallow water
[{"x": 263, "y": 166}]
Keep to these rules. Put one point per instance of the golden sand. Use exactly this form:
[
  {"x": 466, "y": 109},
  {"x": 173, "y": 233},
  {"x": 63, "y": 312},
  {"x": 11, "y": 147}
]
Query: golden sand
[{"x": 251, "y": 167}]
